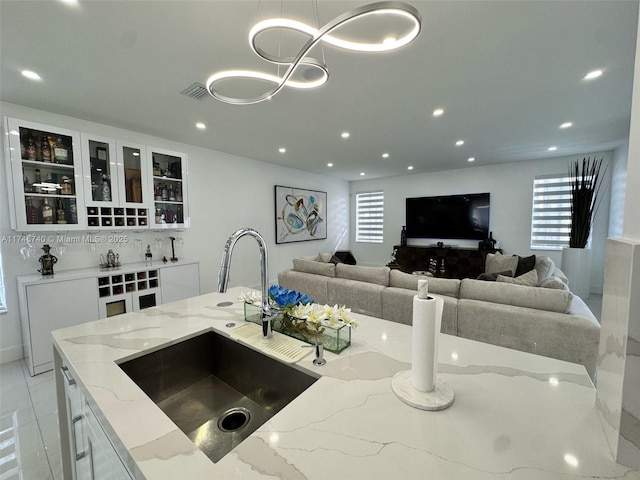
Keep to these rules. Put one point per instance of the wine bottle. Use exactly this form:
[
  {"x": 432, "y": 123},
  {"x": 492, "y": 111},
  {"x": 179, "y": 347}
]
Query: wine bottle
[
  {"x": 60, "y": 152},
  {"x": 31, "y": 149}
]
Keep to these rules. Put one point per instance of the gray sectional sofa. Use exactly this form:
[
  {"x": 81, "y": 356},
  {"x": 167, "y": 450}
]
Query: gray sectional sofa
[{"x": 545, "y": 321}]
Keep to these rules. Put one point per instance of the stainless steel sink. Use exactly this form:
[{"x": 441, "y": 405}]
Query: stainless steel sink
[{"x": 217, "y": 391}]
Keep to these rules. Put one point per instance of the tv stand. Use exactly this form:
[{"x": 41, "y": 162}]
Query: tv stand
[{"x": 445, "y": 261}]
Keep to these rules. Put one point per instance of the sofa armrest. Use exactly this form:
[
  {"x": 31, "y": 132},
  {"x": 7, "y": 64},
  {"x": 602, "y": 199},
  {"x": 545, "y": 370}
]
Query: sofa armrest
[{"x": 314, "y": 286}]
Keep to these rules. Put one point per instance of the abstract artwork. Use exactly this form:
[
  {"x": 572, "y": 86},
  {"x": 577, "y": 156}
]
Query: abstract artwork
[{"x": 301, "y": 214}]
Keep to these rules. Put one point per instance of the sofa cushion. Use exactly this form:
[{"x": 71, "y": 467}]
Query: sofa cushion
[
  {"x": 496, "y": 262},
  {"x": 529, "y": 279},
  {"x": 440, "y": 286},
  {"x": 311, "y": 266},
  {"x": 360, "y": 297},
  {"x": 525, "y": 264},
  {"x": 516, "y": 295},
  {"x": 378, "y": 275},
  {"x": 314, "y": 286},
  {"x": 397, "y": 306},
  {"x": 544, "y": 267}
]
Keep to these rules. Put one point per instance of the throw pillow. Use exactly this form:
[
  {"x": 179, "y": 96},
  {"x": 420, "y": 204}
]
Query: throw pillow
[
  {"x": 491, "y": 277},
  {"x": 496, "y": 262},
  {"x": 554, "y": 282},
  {"x": 525, "y": 264},
  {"x": 323, "y": 257},
  {"x": 544, "y": 267},
  {"x": 529, "y": 279}
]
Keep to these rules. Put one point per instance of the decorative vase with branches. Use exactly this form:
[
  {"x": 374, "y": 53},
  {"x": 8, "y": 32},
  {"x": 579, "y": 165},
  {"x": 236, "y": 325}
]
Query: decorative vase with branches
[{"x": 586, "y": 182}]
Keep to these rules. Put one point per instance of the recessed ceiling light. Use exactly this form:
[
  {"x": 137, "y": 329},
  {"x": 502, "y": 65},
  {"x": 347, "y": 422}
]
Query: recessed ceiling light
[
  {"x": 362, "y": 174},
  {"x": 437, "y": 112},
  {"x": 552, "y": 149},
  {"x": 389, "y": 40},
  {"x": 345, "y": 134},
  {"x": 571, "y": 460},
  {"x": 410, "y": 167},
  {"x": 31, "y": 75},
  {"x": 329, "y": 164},
  {"x": 593, "y": 74},
  {"x": 459, "y": 142},
  {"x": 566, "y": 125},
  {"x": 282, "y": 150},
  {"x": 70, "y": 2},
  {"x": 201, "y": 125},
  {"x": 385, "y": 155},
  {"x": 471, "y": 159}
]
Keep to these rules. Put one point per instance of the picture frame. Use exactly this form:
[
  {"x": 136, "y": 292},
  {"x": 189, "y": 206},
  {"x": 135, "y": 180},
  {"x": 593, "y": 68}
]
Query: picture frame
[{"x": 300, "y": 214}]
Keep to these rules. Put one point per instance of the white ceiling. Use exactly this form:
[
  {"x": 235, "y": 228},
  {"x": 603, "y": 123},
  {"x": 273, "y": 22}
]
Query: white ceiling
[{"x": 507, "y": 73}]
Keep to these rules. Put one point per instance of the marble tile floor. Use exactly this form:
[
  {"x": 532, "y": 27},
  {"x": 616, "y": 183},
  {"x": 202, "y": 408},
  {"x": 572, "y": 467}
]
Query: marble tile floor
[{"x": 29, "y": 439}]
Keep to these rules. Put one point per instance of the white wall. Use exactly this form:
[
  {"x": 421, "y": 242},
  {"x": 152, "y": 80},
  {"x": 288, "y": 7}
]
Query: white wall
[
  {"x": 226, "y": 192},
  {"x": 510, "y": 186}
]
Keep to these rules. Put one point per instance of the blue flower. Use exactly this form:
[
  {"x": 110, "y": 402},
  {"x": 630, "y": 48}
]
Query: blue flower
[{"x": 287, "y": 298}]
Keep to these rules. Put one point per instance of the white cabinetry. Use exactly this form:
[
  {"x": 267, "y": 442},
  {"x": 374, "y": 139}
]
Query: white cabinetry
[
  {"x": 44, "y": 168},
  {"x": 48, "y": 305},
  {"x": 91, "y": 454},
  {"x": 78, "y": 296},
  {"x": 180, "y": 282}
]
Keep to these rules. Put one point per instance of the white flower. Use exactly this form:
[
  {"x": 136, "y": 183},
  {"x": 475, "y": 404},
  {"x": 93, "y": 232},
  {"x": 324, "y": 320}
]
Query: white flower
[{"x": 252, "y": 297}]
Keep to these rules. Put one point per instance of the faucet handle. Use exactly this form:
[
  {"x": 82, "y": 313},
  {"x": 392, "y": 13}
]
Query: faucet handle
[{"x": 319, "y": 353}]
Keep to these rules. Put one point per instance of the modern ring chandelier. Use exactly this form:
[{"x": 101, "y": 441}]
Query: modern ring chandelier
[{"x": 390, "y": 8}]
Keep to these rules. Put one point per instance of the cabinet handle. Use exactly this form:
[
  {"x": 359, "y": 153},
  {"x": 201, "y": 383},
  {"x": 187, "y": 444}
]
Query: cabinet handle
[
  {"x": 70, "y": 380},
  {"x": 81, "y": 455}
]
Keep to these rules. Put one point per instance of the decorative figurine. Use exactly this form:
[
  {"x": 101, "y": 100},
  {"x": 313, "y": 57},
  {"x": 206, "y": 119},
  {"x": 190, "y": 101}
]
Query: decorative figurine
[
  {"x": 173, "y": 251},
  {"x": 148, "y": 256},
  {"x": 47, "y": 261}
]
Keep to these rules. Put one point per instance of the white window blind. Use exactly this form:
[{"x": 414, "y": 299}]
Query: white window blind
[
  {"x": 551, "y": 214},
  {"x": 369, "y": 217}
]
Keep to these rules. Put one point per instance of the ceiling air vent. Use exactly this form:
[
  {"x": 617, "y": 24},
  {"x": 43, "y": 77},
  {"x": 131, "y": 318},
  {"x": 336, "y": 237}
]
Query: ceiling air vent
[{"x": 197, "y": 91}]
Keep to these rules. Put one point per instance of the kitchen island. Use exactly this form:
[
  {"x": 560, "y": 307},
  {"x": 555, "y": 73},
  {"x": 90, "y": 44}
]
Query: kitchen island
[{"x": 515, "y": 415}]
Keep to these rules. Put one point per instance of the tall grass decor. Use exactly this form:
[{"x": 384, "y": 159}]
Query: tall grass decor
[{"x": 585, "y": 178}]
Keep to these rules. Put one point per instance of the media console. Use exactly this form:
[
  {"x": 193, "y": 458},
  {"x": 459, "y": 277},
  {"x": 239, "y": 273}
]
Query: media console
[{"x": 446, "y": 262}]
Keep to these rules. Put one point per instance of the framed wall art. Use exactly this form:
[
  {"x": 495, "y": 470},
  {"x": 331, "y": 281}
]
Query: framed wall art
[{"x": 301, "y": 214}]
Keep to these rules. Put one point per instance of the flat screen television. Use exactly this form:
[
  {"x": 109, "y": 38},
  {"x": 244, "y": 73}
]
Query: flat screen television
[{"x": 449, "y": 217}]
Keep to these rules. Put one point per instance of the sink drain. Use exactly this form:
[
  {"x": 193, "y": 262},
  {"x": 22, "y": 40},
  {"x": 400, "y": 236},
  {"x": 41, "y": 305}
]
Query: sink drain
[{"x": 234, "y": 419}]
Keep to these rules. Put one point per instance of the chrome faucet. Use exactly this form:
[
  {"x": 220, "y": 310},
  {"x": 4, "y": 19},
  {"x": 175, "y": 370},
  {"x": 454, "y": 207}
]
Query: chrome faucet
[{"x": 223, "y": 276}]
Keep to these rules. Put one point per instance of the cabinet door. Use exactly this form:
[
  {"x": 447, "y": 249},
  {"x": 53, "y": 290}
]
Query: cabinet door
[
  {"x": 169, "y": 189},
  {"x": 45, "y": 182},
  {"x": 179, "y": 282},
  {"x": 105, "y": 462},
  {"x": 134, "y": 181},
  {"x": 56, "y": 305}
]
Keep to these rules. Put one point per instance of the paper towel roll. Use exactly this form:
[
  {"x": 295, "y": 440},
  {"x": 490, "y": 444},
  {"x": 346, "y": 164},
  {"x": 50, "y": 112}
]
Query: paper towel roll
[{"x": 427, "y": 317}]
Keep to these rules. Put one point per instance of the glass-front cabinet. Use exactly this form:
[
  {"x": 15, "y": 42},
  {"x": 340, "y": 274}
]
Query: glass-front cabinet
[
  {"x": 46, "y": 177},
  {"x": 134, "y": 184},
  {"x": 169, "y": 171}
]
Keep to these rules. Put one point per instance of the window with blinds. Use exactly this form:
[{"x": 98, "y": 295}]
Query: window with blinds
[
  {"x": 369, "y": 217},
  {"x": 551, "y": 214}
]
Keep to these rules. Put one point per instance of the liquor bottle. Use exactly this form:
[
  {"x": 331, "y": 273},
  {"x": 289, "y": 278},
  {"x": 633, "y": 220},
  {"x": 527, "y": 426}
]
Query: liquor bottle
[
  {"x": 157, "y": 192},
  {"x": 23, "y": 150},
  {"x": 165, "y": 192},
  {"x": 38, "y": 182},
  {"x": 172, "y": 194},
  {"x": 67, "y": 187},
  {"x": 31, "y": 149},
  {"x": 105, "y": 188},
  {"x": 50, "y": 188},
  {"x": 179, "y": 193},
  {"x": 60, "y": 215},
  {"x": 33, "y": 213},
  {"x": 73, "y": 208},
  {"x": 45, "y": 150},
  {"x": 60, "y": 152},
  {"x": 27, "y": 184},
  {"x": 47, "y": 212}
]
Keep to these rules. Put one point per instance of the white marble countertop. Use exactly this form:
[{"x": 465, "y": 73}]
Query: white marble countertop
[{"x": 515, "y": 415}]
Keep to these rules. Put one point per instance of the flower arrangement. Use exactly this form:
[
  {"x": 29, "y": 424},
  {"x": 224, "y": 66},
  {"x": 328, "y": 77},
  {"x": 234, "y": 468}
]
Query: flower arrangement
[{"x": 298, "y": 316}]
